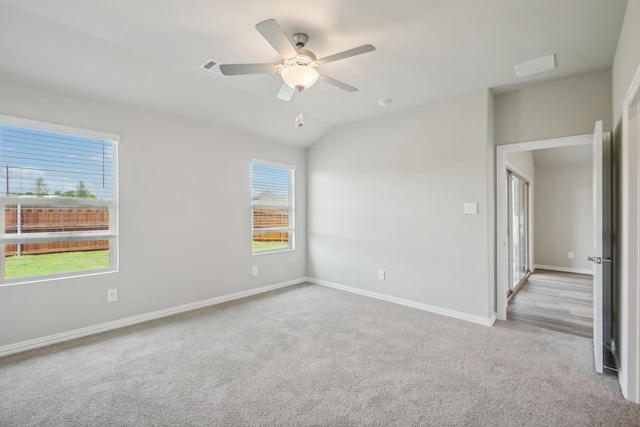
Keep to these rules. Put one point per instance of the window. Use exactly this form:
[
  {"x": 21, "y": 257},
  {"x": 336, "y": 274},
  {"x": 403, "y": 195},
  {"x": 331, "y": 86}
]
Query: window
[
  {"x": 272, "y": 204},
  {"x": 58, "y": 201}
]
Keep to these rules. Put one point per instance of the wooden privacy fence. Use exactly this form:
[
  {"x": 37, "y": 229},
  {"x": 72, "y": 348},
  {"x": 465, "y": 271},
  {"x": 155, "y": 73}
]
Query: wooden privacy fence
[
  {"x": 269, "y": 218},
  {"x": 49, "y": 219}
]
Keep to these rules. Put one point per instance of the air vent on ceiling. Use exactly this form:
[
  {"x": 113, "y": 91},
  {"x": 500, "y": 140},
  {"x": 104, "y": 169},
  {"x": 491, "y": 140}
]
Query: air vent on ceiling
[
  {"x": 534, "y": 66},
  {"x": 212, "y": 66}
]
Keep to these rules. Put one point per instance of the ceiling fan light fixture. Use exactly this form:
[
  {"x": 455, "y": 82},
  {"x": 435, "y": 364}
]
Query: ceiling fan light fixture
[{"x": 300, "y": 76}]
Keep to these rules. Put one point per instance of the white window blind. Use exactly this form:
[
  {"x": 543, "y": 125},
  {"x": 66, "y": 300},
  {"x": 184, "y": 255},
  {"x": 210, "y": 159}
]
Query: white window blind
[
  {"x": 273, "y": 209},
  {"x": 58, "y": 195}
]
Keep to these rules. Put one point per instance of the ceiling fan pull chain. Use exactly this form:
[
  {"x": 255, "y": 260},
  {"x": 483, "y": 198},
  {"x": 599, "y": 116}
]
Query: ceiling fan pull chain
[{"x": 299, "y": 118}]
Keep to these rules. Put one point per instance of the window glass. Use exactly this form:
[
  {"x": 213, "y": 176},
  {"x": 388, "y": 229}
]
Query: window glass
[
  {"x": 58, "y": 201},
  {"x": 272, "y": 203}
]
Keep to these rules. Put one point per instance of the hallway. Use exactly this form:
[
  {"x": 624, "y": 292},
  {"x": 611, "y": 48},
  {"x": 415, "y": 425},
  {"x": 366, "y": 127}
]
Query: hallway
[{"x": 554, "y": 300}]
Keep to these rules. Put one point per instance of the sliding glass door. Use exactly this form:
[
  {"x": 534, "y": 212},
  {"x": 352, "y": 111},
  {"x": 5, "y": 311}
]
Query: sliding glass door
[{"x": 518, "y": 232}]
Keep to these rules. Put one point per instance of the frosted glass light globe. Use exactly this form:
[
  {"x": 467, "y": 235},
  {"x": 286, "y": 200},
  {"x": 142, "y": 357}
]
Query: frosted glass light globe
[{"x": 300, "y": 77}]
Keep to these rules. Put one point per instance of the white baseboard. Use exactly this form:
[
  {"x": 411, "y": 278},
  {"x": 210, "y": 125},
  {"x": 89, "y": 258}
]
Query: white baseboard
[
  {"x": 563, "y": 269},
  {"x": 121, "y": 323},
  {"x": 421, "y": 306}
]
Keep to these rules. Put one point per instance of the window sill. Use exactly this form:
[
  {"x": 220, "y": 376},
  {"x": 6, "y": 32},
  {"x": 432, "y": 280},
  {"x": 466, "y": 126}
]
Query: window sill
[
  {"x": 50, "y": 277},
  {"x": 274, "y": 251}
]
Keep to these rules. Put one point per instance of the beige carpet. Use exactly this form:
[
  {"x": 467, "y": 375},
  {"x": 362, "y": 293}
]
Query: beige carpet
[{"x": 309, "y": 355}]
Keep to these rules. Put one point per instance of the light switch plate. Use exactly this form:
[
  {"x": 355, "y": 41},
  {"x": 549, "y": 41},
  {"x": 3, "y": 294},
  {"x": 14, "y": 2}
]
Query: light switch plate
[{"x": 470, "y": 208}]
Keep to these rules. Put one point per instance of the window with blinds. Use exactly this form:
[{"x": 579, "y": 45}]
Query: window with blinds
[
  {"x": 272, "y": 203},
  {"x": 58, "y": 200}
]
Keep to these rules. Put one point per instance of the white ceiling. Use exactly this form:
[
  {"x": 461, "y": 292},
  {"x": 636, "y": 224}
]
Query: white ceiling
[{"x": 147, "y": 53}]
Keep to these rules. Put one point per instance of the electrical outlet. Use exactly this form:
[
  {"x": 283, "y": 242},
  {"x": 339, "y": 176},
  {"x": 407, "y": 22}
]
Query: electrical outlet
[
  {"x": 254, "y": 270},
  {"x": 112, "y": 295},
  {"x": 381, "y": 274},
  {"x": 570, "y": 255}
]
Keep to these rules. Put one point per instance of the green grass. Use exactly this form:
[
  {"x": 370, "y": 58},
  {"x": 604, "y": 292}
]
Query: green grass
[
  {"x": 269, "y": 246},
  {"x": 65, "y": 262},
  {"x": 62, "y": 262}
]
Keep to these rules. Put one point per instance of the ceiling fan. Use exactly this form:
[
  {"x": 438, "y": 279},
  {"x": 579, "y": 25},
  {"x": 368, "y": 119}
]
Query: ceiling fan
[{"x": 298, "y": 69}]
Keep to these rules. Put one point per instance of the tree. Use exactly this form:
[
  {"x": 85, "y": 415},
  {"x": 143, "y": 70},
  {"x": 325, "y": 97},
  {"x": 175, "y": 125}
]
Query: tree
[
  {"x": 82, "y": 191},
  {"x": 41, "y": 187}
]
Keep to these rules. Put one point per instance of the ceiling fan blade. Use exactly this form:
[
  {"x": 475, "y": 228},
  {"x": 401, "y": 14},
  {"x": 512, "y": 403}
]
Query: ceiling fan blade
[
  {"x": 346, "y": 54},
  {"x": 286, "y": 92},
  {"x": 339, "y": 84},
  {"x": 272, "y": 33},
  {"x": 238, "y": 69}
]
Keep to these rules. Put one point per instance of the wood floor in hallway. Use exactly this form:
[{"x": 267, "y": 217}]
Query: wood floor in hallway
[{"x": 555, "y": 300}]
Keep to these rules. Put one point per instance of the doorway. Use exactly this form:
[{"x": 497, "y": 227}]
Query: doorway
[
  {"x": 600, "y": 236},
  {"x": 554, "y": 288},
  {"x": 505, "y": 263}
]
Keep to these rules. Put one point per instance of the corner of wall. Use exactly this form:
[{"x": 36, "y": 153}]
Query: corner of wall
[{"x": 491, "y": 202}]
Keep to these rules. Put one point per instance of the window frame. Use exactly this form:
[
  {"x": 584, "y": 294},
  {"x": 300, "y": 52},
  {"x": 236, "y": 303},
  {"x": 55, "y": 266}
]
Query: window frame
[
  {"x": 291, "y": 209},
  {"x": 111, "y": 234}
]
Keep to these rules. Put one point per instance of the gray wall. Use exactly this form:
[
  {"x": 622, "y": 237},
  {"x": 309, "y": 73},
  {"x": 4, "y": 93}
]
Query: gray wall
[
  {"x": 563, "y": 216},
  {"x": 556, "y": 109},
  {"x": 388, "y": 193},
  {"x": 625, "y": 64},
  {"x": 627, "y": 58},
  {"x": 185, "y": 218}
]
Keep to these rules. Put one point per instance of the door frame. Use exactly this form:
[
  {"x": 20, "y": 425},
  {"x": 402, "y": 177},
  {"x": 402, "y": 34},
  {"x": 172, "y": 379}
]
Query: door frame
[{"x": 502, "y": 286}]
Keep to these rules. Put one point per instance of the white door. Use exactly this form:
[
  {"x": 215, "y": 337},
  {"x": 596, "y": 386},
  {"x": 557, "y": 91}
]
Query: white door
[{"x": 597, "y": 246}]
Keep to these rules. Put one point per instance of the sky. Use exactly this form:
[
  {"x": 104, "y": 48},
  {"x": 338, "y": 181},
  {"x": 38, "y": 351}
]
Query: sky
[
  {"x": 61, "y": 160},
  {"x": 269, "y": 178}
]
